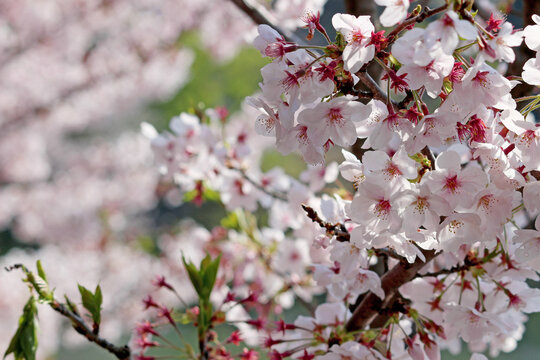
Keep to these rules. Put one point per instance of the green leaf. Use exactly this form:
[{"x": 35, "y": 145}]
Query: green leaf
[
  {"x": 394, "y": 62},
  {"x": 204, "y": 264},
  {"x": 98, "y": 296},
  {"x": 211, "y": 195},
  {"x": 447, "y": 84},
  {"x": 190, "y": 195},
  {"x": 71, "y": 306},
  {"x": 210, "y": 275},
  {"x": 92, "y": 302},
  {"x": 24, "y": 343},
  {"x": 231, "y": 221},
  {"x": 194, "y": 276},
  {"x": 40, "y": 271}
]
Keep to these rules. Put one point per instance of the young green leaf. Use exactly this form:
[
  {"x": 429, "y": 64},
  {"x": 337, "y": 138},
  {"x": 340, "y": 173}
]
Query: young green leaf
[
  {"x": 24, "y": 343},
  {"x": 210, "y": 275},
  {"x": 40, "y": 271},
  {"x": 92, "y": 302},
  {"x": 194, "y": 276},
  {"x": 230, "y": 222}
]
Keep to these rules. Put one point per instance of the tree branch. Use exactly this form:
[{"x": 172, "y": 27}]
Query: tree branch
[
  {"x": 367, "y": 80},
  {"x": 368, "y": 310},
  {"x": 275, "y": 195},
  {"x": 360, "y": 7},
  {"x": 338, "y": 229},
  {"x": 424, "y": 14},
  {"x": 371, "y": 305},
  {"x": 260, "y": 16},
  {"x": 121, "y": 352}
]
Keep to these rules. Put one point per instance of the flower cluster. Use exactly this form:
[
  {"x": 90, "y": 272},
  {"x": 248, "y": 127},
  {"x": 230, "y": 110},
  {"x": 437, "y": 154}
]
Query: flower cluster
[
  {"x": 430, "y": 243},
  {"x": 76, "y": 184},
  {"x": 424, "y": 236}
]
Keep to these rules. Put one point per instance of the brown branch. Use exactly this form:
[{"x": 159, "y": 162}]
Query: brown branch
[
  {"x": 467, "y": 264},
  {"x": 369, "y": 309},
  {"x": 121, "y": 352},
  {"x": 371, "y": 305},
  {"x": 338, "y": 229},
  {"x": 367, "y": 80},
  {"x": 360, "y": 7},
  {"x": 260, "y": 16},
  {"x": 424, "y": 14},
  {"x": 341, "y": 233},
  {"x": 274, "y": 194},
  {"x": 406, "y": 100},
  {"x": 427, "y": 153}
]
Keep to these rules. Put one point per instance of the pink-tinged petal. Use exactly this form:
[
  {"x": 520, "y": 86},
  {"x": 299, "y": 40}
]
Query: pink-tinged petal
[
  {"x": 532, "y": 37},
  {"x": 449, "y": 160},
  {"x": 531, "y": 72},
  {"x": 343, "y": 22},
  {"x": 531, "y": 197},
  {"x": 393, "y": 14},
  {"x": 344, "y": 135},
  {"x": 466, "y": 30}
]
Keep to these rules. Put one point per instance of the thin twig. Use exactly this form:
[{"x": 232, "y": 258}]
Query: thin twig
[
  {"x": 260, "y": 16},
  {"x": 121, "y": 352},
  {"x": 424, "y": 14},
  {"x": 338, "y": 229},
  {"x": 274, "y": 194},
  {"x": 341, "y": 233}
]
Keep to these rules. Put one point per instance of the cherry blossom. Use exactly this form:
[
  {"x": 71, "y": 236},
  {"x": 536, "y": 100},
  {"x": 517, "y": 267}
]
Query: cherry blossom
[
  {"x": 425, "y": 241},
  {"x": 357, "y": 32},
  {"x": 395, "y": 11}
]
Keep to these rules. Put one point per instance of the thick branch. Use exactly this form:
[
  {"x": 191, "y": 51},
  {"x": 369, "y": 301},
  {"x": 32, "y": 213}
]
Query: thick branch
[
  {"x": 260, "y": 16},
  {"x": 360, "y": 7},
  {"x": 367, "y": 80},
  {"x": 371, "y": 305}
]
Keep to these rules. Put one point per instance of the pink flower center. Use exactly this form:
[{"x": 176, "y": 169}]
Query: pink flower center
[
  {"x": 528, "y": 137},
  {"x": 392, "y": 170},
  {"x": 421, "y": 204},
  {"x": 302, "y": 135},
  {"x": 429, "y": 68},
  {"x": 482, "y": 79},
  {"x": 239, "y": 186},
  {"x": 452, "y": 184},
  {"x": 447, "y": 20},
  {"x": 392, "y": 121},
  {"x": 486, "y": 202},
  {"x": 454, "y": 226},
  {"x": 335, "y": 117},
  {"x": 357, "y": 36},
  {"x": 382, "y": 209},
  {"x": 290, "y": 80}
]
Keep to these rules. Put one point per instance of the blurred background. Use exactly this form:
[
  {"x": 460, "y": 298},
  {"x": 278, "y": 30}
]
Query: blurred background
[{"x": 78, "y": 188}]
